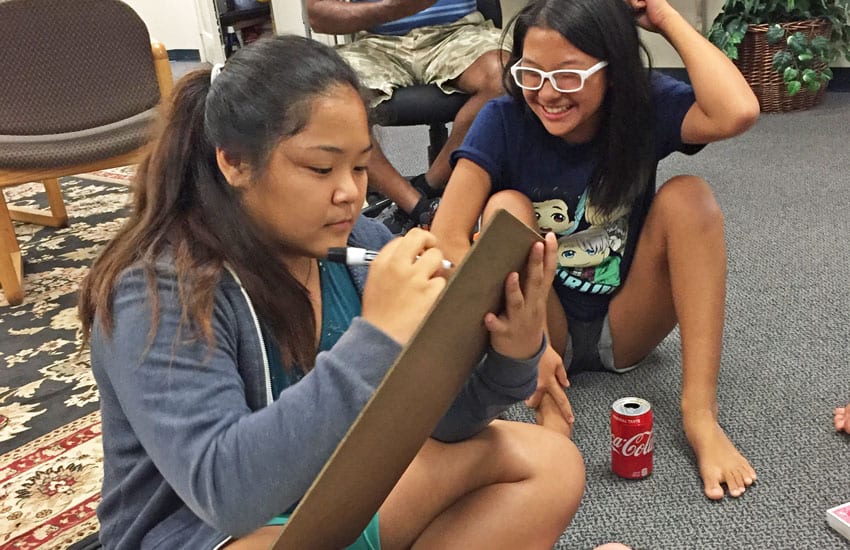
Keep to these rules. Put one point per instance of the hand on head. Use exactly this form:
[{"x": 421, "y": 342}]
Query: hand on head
[
  {"x": 404, "y": 280},
  {"x": 650, "y": 14}
]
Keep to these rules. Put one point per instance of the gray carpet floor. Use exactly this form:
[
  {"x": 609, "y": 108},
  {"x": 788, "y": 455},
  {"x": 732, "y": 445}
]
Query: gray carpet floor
[{"x": 785, "y": 192}]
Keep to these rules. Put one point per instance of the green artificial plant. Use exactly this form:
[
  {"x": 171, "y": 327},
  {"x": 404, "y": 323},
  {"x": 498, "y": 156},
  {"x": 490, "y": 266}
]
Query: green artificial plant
[{"x": 801, "y": 61}]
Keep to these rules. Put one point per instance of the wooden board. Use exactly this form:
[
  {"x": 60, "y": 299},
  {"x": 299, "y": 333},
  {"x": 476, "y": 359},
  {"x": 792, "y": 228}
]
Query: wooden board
[{"x": 414, "y": 394}]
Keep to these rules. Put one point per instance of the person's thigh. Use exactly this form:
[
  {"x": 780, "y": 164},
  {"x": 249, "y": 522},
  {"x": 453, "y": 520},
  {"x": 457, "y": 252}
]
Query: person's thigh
[
  {"x": 443, "y": 473},
  {"x": 521, "y": 207},
  {"x": 444, "y": 56},
  {"x": 643, "y": 312},
  {"x": 382, "y": 63}
]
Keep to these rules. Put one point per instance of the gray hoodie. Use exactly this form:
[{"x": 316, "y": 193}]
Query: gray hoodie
[{"x": 196, "y": 451}]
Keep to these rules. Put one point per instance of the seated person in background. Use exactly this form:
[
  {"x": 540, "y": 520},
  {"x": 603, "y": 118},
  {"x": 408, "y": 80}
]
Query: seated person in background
[
  {"x": 841, "y": 417},
  {"x": 231, "y": 359},
  {"x": 402, "y": 42}
]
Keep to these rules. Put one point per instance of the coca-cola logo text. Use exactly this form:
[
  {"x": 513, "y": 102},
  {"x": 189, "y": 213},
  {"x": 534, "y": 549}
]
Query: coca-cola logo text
[{"x": 637, "y": 445}]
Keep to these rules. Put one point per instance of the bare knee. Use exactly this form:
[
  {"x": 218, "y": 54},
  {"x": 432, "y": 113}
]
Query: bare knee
[
  {"x": 484, "y": 76},
  {"x": 689, "y": 200},
  {"x": 514, "y": 202},
  {"x": 558, "y": 461},
  {"x": 555, "y": 469},
  {"x": 559, "y": 475}
]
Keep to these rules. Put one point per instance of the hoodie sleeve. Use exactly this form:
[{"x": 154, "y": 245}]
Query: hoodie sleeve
[
  {"x": 185, "y": 403},
  {"x": 496, "y": 383}
]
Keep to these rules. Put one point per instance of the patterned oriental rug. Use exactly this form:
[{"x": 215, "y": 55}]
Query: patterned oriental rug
[{"x": 50, "y": 445}]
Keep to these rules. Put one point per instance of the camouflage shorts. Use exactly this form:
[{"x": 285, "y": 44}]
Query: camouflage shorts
[{"x": 436, "y": 54}]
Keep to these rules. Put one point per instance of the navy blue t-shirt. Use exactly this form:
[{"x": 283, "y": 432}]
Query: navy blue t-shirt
[{"x": 594, "y": 252}]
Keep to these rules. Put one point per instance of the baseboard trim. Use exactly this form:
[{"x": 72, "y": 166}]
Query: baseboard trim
[
  {"x": 184, "y": 55},
  {"x": 840, "y": 77}
]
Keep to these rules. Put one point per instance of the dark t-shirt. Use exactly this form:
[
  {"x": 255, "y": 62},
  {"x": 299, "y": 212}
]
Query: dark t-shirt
[{"x": 594, "y": 252}]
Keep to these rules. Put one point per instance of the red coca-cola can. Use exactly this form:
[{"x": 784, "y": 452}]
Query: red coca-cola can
[{"x": 632, "y": 442}]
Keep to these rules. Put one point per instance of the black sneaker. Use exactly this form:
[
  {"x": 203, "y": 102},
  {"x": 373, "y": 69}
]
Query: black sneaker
[
  {"x": 396, "y": 219},
  {"x": 421, "y": 184},
  {"x": 424, "y": 211}
]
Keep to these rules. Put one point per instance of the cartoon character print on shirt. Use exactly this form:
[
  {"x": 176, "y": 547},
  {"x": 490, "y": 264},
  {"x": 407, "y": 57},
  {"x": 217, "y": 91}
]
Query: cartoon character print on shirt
[
  {"x": 553, "y": 215},
  {"x": 589, "y": 260}
]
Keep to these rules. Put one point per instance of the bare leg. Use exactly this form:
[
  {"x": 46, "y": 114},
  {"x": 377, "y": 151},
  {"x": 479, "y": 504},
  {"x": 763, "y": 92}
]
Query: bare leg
[
  {"x": 483, "y": 81},
  {"x": 385, "y": 179},
  {"x": 679, "y": 274},
  {"x": 512, "y": 486},
  {"x": 549, "y": 413}
]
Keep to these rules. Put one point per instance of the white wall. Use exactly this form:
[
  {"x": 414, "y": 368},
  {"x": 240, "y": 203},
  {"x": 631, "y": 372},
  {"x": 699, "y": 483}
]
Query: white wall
[
  {"x": 174, "y": 23},
  {"x": 287, "y": 16}
]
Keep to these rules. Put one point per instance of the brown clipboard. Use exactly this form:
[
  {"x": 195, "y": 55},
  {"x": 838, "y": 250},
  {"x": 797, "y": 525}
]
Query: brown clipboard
[{"x": 414, "y": 394}]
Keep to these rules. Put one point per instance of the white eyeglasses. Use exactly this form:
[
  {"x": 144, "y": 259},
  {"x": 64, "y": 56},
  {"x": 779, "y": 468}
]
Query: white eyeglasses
[{"x": 563, "y": 80}]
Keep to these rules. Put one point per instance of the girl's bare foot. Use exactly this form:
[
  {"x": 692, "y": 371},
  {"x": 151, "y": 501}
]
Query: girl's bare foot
[{"x": 718, "y": 459}]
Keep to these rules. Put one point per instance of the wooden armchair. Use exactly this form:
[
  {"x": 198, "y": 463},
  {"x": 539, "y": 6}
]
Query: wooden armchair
[{"x": 79, "y": 86}]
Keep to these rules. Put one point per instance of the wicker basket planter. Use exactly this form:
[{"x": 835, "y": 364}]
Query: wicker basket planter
[{"x": 755, "y": 57}]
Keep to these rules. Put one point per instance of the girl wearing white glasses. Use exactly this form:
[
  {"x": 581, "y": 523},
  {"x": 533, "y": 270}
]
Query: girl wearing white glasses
[{"x": 583, "y": 127}]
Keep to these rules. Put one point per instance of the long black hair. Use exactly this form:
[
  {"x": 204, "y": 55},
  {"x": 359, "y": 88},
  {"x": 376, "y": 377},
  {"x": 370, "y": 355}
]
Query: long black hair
[
  {"x": 606, "y": 30},
  {"x": 183, "y": 205}
]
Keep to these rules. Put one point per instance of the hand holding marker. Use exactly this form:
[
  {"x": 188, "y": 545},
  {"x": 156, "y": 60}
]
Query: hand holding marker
[{"x": 361, "y": 256}]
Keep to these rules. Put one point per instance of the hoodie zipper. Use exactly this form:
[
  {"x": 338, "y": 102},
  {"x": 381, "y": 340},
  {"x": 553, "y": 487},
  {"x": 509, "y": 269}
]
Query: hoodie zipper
[{"x": 266, "y": 369}]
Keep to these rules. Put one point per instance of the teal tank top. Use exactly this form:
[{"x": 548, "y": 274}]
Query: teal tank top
[{"x": 340, "y": 305}]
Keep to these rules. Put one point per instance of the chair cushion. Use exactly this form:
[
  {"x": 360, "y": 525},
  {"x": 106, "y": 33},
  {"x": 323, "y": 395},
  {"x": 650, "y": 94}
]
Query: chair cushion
[
  {"x": 419, "y": 104},
  {"x": 71, "y": 148}
]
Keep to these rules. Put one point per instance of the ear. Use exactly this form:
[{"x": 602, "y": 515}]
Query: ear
[{"x": 235, "y": 170}]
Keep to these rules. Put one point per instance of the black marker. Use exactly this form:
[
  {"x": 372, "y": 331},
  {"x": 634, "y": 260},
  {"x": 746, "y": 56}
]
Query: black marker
[{"x": 361, "y": 256}]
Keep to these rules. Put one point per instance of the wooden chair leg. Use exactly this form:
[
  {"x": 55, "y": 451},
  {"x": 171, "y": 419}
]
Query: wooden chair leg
[
  {"x": 58, "y": 217},
  {"x": 11, "y": 269},
  {"x": 54, "y": 199}
]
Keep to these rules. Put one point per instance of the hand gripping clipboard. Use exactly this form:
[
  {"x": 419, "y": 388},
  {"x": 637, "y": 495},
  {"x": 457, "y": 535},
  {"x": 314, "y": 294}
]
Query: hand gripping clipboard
[{"x": 414, "y": 394}]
